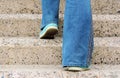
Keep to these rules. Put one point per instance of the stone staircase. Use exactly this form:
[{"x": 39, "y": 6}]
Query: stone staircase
[{"x": 24, "y": 55}]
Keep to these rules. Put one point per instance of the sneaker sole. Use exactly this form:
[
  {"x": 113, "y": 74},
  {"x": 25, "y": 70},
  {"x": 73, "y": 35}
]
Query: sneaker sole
[
  {"x": 50, "y": 32},
  {"x": 74, "y": 69}
]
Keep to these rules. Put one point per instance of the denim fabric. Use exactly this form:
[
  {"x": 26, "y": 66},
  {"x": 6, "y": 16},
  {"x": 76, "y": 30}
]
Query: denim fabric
[
  {"x": 50, "y": 12},
  {"x": 77, "y": 31}
]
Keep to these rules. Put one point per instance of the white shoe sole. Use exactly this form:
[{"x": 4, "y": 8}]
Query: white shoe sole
[
  {"x": 50, "y": 32},
  {"x": 76, "y": 69}
]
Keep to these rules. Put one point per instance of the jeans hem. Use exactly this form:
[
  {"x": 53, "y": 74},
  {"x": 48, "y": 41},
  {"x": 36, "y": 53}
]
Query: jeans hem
[
  {"x": 76, "y": 65},
  {"x": 43, "y": 26}
]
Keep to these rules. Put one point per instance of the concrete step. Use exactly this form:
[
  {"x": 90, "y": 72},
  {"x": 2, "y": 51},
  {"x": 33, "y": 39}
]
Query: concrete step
[
  {"x": 20, "y": 6},
  {"x": 27, "y": 25},
  {"x": 34, "y": 6},
  {"x": 52, "y": 71},
  {"x": 106, "y": 6},
  {"x": 34, "y": 51}
]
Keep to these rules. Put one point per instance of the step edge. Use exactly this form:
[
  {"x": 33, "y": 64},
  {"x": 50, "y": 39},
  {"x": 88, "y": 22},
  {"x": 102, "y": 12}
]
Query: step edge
[
  {"x": 51, "y": 67},
  {"x": 97, "y": 17},
  {"x": 57, "y": 42}
]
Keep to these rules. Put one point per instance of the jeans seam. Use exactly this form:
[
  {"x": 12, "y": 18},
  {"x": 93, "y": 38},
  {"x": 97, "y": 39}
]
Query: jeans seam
[{"x": 90, "y": 47}]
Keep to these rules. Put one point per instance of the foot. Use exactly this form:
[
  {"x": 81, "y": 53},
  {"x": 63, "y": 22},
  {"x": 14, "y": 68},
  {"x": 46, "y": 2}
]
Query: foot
[
  {"x": 49, "y": 31},
  {"x": 76, "y": 69}
]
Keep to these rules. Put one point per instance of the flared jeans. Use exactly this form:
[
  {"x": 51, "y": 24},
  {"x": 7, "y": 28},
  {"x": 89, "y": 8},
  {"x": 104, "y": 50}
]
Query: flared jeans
[{"x": 78, "y": 42}]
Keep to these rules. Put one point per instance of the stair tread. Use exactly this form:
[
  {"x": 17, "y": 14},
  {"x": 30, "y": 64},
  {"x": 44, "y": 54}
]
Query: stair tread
[
  {"x": 31, "y": 50},
  {"x": 28, "y": 25},
  {"x": 34, "y": 41},
  {"x": 52, "y": 71},
  {"x": 53, "y": 67},
  {"x": 34, "y": 6}
]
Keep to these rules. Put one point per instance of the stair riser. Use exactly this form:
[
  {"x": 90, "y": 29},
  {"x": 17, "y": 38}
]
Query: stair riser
[
  {"x": 34, "y": 6},
  {"x": 28, "y": 55},
  {"x": 31, "y": 27},
  {"x": 19, "y": 27}
]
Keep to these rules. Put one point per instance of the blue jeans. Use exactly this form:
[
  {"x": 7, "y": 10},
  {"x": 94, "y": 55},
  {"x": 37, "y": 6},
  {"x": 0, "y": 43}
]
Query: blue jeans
[{"x": 77, "y": 31}]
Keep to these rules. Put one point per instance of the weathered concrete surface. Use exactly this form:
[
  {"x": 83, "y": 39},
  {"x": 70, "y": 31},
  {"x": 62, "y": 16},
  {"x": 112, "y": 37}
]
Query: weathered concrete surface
[
  {"x": 106, "y": 25},
  {"x": 20, "y": 6},
  {"x": 51, "y": 71},
  {"x": 19, "y": 27},
  {"x": 32, "y": 51},
  {"x": 28, "y": 25},
  {"x": 34, "y": 6},
  {"x": 106, "y": 6}
]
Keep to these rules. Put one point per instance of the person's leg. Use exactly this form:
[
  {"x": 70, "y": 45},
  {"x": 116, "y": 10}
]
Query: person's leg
[
  {"x": 77, "y": 34},
  {"x": 50, "y": 15}
]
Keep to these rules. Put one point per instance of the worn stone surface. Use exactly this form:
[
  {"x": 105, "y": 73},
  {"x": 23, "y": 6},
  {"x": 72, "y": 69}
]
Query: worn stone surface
[
  {"x": 20, "y": 6},
  {"x": 34, "y": 6},
  {"x": 30, "y": 51},
  {"x": 13, "y": 27},
  {"x": 20, "y": 25},
  {"x": 106, "y": 28},
  {"x": 28, "y": 25},
  {"x": 99, "y": 71},
  {"x": 106, "y": 6}
]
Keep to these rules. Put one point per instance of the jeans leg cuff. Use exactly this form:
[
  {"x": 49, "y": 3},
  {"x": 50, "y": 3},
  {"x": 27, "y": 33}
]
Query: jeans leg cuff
[{"x": 76, "y": 65}]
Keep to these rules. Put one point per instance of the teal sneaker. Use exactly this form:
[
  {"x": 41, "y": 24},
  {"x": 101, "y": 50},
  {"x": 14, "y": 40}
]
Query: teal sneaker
[
  {"x": 49, "y": 31},
  {"x": 75, "y": 69}
]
